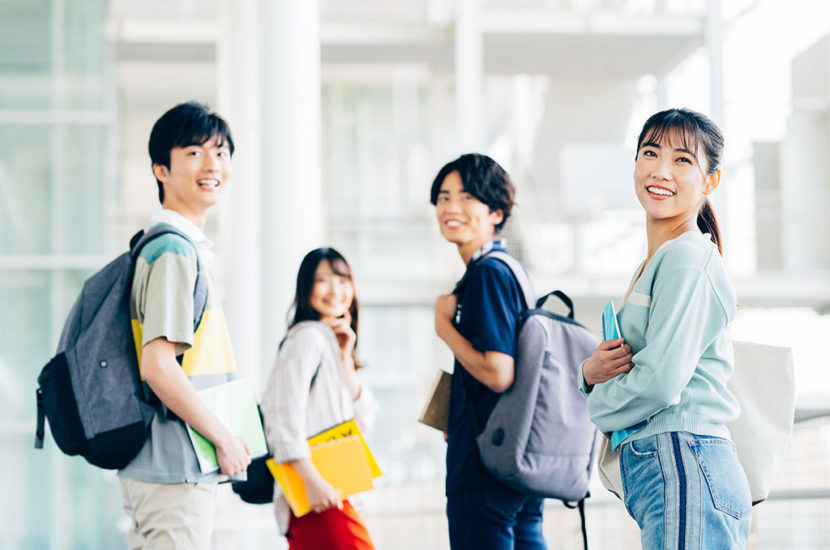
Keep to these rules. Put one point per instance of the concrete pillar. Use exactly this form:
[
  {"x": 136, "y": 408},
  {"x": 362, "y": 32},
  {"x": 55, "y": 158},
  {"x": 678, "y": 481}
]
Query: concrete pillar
[
  {"x": 238, "y": 101},
  {"x": 469, "y": 76},
  {"x": 291, "y": 217}
]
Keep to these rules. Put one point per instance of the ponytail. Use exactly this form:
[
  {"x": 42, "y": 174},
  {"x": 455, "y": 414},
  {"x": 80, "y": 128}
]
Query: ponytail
[{"x": 708, "y": 223}]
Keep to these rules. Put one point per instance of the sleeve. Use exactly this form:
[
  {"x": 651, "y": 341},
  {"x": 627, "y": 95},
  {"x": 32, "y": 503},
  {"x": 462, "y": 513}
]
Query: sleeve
[
  {"x": 685, "y": 317},
  {"x": 584, "y": 386},
  {"x": 167, "y": 297},
  {"x": 285, "y": 403},
  {"x": 493, "y": 302},
  {"x": 365, "y": 408}
]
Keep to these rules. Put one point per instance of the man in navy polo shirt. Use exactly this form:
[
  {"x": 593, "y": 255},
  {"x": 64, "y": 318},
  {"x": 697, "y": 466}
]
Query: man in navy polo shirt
[{"x": 473, "y": 197}]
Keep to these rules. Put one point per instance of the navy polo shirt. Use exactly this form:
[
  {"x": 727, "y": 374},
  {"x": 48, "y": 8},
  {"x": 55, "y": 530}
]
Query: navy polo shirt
[{"x": 490, "y": 303}]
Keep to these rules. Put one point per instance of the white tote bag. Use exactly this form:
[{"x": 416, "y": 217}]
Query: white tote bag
[{"x": 764, "y": 386}]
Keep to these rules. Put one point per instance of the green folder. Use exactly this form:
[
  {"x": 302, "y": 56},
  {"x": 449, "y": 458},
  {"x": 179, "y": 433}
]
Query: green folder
[{"x": 235, "y": 406}]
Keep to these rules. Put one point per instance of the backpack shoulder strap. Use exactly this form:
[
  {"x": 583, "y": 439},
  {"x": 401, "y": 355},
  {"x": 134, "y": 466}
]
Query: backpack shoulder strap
[
  {"x": 529, "y": 298},
  {"x": 519, "y": 272},
  {"x": 200, "y": 291}
]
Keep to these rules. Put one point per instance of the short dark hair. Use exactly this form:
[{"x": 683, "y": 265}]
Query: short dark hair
[
  {"x": 483, "y": 178},
  {"x": 186, "y": 124}
]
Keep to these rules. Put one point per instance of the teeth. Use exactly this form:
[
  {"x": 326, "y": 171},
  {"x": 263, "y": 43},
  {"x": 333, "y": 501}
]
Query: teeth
[
  {"x": 208, "y": 183},
  {"x": 453, "y": 223},
  {"x": 659, "y": 191}
]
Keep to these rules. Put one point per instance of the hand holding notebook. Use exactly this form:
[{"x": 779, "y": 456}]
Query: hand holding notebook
[
  {"x": 610, "y": 326},
  {"x": 342, "y": 458}
]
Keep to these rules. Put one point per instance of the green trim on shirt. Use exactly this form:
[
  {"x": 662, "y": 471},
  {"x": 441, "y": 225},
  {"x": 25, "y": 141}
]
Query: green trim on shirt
[{"x": 166, "y": 243}]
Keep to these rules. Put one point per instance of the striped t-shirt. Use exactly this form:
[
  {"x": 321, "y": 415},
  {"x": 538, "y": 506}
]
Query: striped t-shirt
[{"x": 161, "y": 306}]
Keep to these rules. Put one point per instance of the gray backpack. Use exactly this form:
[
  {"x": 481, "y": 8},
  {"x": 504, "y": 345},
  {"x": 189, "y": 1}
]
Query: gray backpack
[
  {"x": 539, "y": 439},
  {"x": 91, "y": 391}
]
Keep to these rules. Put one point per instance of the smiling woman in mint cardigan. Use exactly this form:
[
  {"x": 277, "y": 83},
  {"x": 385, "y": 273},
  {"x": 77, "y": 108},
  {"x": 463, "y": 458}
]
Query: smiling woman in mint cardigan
[{"x": 660, "y": 393}]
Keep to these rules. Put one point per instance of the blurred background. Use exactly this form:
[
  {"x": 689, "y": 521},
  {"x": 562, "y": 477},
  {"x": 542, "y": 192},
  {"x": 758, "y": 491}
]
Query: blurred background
[{"x": 342, "y": 113}]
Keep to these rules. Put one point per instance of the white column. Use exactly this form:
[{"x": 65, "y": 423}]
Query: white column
[
  {"x": 714, "y": 44},
  {"x": 291, "y": 221},
  {"x": 469, "y": 76},
  {"x": 238, "y": 101}
]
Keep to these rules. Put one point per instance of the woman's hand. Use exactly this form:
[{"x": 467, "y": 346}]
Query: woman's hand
[
  {"x": 346, "y": 339},
  {"x": 321, "y": 495},
  {"x": 611, "y": 359}
]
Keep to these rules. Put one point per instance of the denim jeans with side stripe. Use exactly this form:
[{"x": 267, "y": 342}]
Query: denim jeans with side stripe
[{"x": 686, "y": 491}]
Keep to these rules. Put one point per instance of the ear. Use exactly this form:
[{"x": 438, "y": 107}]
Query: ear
[
  {"x": 496, "y": 216},
  {"x": 161, "y": 172},
  {"x": 711, "y": 182}
]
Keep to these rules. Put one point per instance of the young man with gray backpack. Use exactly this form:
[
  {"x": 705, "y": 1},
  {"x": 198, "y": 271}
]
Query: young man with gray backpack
[
  {"x": 178, "y": 337},
  {"x": 518, "y": 428}
]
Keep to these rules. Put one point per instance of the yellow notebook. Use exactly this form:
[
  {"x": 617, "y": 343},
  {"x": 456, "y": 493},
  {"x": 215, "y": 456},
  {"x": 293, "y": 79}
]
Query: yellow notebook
[
  {"x": 342, "y": 462},
  {"x": 346, "y": 429}
]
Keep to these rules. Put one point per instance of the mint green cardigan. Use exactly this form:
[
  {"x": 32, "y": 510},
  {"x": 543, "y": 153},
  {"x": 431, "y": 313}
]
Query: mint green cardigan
[{"x": 675, "y": 321}]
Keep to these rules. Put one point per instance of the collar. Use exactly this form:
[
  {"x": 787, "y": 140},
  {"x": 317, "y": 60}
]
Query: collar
[
  {"x": 487, "y": 247},
  {"x": 171, "y": 217}
]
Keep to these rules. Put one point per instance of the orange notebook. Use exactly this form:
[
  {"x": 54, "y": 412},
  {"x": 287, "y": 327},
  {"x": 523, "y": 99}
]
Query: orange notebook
[{"x": 342, "y": 462}]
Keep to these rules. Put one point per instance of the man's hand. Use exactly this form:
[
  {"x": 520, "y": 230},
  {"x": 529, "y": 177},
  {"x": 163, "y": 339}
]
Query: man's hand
[
  {"x": 611, "y": 359},
  {"x": 233, "y": 455},
  {"x": 445, "y": 307},
  {"x": 168, "y": 381}
]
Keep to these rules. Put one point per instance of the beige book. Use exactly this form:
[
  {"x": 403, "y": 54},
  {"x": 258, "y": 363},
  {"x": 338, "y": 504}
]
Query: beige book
[{"x": 437, "y": 409}]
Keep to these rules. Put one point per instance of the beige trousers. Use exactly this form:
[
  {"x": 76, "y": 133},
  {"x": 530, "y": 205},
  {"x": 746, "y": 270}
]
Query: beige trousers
[{"x": 174, "y": 516}]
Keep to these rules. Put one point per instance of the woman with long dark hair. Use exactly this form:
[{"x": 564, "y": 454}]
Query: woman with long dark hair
[
  {"x": 660, "y": 392},
  {"x": 312, "y": 387}
]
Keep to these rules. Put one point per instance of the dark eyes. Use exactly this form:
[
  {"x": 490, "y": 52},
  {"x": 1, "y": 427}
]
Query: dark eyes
[{"x": 650, "y": 153}]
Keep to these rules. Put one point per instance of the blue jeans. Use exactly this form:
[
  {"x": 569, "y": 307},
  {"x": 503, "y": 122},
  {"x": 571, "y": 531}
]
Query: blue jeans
[
  {"x": 495, "y": 517},
  {"x": 686, "y": 491}
]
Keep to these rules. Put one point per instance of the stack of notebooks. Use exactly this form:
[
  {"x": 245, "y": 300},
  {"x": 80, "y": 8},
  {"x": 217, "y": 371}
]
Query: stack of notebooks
[
  {"x": 437, "y": 409},
  {"x": 234, "y": 404},
  {"x": 339, "y": 453},
  {"x": 342, "y": 457}
]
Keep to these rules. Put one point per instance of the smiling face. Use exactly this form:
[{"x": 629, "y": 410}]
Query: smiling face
[
  {"x": 196, "y": 177},
  {"x": 463, "y": 219},
  {"x": 332, "y": 294},
  {"x": 671, "y": 181}
]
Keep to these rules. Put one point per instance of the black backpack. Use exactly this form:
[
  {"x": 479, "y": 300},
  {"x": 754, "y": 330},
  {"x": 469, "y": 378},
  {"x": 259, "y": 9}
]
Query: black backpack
[
  {"x": 91, "y": 391},
  {"x": 258, "y": 487}
]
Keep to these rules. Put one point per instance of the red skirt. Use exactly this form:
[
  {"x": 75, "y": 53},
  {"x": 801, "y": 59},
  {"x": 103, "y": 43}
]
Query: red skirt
[{"x": 333, "y": 529}]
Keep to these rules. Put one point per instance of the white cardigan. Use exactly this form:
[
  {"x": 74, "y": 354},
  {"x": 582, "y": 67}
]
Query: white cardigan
[{"x": 293, "y": 409}]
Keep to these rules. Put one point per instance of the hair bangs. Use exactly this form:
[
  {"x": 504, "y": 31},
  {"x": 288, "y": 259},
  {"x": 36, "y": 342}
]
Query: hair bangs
[
  {"x": 339, "y": 266},
  {"x": 674, "y": 129},
  {"x": 200, "y": 130}
]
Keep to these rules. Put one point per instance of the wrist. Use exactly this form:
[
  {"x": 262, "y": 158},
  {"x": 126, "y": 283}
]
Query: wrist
[
  {"x": 221, "y": 438},
  {"x": 443, "y": 326}
]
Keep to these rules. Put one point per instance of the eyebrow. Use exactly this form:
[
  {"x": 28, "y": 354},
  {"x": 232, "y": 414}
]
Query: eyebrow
[{"x": 657, "y": 146}]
